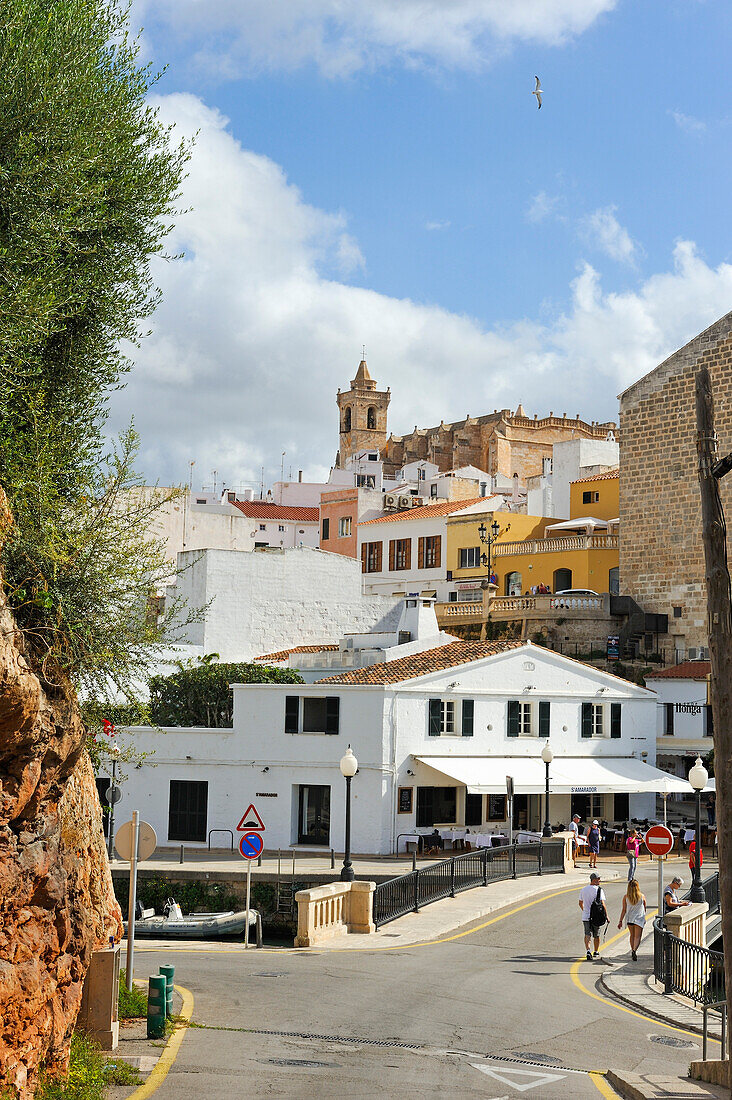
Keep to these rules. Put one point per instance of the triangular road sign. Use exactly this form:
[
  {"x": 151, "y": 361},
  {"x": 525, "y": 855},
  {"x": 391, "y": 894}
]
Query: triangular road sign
[
  {"x": 507, "y": 1077},
  {"x": 250, "y": 820}
]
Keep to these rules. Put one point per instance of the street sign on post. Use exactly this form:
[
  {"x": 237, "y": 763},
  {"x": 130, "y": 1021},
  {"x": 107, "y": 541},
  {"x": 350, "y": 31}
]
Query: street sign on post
[
  {"x": 147, "y": 841},
  {"x": 135, "y": 840},
  {"x": 250, "y": 847},
  {"x": 659, "y": 840},
  {"x": 113, "y": 795}
]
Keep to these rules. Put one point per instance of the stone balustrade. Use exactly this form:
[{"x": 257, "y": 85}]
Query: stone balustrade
[
  {"x": 689, "y": 923},
  {"x": 556, "y": 545},
  {"x": 332, "y": 910}
]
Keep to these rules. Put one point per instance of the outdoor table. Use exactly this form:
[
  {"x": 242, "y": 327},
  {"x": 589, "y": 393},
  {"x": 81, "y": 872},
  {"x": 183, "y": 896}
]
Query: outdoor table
[
  {"x": 408, "y": 838},
  {"x": 529, "y": 838}
]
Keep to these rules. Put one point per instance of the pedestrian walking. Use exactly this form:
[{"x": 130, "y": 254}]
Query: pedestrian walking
[
  {"x": 594, "y": 914},
  {"x": 692, "y": 855},
  {"x": 593, "y": 842},
  {"x": 711, "y": 812},
  {"x": 632, "y": 848},
  {"x": 574, "y": 829},
  {"x": 634, "y": 915}
]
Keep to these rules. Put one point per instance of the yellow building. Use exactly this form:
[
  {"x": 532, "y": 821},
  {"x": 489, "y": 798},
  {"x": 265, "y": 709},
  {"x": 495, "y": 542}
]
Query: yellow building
[{"x": 532, "y": 552}]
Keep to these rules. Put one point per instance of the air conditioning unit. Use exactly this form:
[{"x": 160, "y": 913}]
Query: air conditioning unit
[
  {"x": 391, "y": 500},
  {"x": 693, "y": 654},
  {"x": 405, "y": 502},
  {"x": 417, "y": 502}
]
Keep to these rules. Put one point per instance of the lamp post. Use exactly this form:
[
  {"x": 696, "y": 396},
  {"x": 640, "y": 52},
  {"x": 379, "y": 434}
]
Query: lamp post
[
  {"x": 488, "y": 536},
  {"x": 547, "y": 756},
  {"x": 349, "y": 767},
  {"x": 698, "y": 777}
]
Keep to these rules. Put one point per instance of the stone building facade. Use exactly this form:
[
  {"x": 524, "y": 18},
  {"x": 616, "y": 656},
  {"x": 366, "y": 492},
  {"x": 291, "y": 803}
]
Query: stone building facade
[{"x": 661, "y": 553}]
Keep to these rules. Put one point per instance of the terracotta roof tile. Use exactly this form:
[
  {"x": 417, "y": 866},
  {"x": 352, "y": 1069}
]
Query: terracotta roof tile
[
  {"x": 262, "y": 509},
  {"x": 421, "y": 664},
  {"x": 609, "y": 475},
  {"x": 427, "y": 511},
  {"x": 283, "y": 654},
  {"x": 689, "y": 670}
]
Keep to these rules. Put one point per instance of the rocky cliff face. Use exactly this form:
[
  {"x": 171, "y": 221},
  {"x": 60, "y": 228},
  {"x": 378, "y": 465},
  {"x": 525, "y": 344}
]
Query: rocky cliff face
[{"x": 56, "y": 897}]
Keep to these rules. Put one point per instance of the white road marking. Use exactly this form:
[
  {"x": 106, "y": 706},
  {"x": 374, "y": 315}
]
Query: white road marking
[{"x": 506, "y": 1077}]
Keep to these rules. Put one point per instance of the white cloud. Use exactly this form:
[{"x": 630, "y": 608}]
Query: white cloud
[
  {"x": 433, "y": 227},
  {"x": 603, "y": 231},
  {"x": 688, "y": 123},
  {"x": 543, "y": 206},
  {"x": 341, "y": 36},
  {"x": 256, "y": 331}
]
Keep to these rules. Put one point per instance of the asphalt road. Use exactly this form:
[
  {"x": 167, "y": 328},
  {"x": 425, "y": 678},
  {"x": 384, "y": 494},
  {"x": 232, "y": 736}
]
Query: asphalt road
[{"x": 493, "y": 1012}]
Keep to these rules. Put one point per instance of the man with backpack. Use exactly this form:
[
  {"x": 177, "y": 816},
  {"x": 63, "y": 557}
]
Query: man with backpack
[{"x": 594, "y": 913}]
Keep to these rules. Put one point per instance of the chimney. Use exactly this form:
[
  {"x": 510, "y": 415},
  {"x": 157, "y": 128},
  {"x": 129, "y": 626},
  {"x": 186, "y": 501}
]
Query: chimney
[
  {"x": 515, "y": 495},
  {"x": 418, "y": 619},
  {"x": 299, "y": 475}
]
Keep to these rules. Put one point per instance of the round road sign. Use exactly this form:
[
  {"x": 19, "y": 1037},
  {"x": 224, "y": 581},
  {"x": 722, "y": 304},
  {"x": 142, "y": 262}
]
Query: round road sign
[
  {"x": 659, "y": 840},
  {"x": 113, "y": 795},
  {"x": 251, "y": 845},
  {"x": 146, "y": 844}
]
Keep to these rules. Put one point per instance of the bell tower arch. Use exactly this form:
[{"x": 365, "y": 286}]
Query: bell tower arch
[{"x": 362, "y": 411}]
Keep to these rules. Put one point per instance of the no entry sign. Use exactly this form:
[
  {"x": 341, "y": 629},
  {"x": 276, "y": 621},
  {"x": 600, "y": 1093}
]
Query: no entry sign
[{"x": 659, "y": 840}]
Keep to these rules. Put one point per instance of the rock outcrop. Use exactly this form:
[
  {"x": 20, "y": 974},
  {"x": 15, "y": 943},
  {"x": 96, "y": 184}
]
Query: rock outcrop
[{"x": 56, "y": 898}]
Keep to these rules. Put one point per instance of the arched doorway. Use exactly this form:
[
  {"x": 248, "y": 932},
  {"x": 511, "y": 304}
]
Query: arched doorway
[
  {"x": 513, "y": 584},
  {"x": 347, "y": 419},
  {"x": 562, "y": 579},
  {"x": 613, "y": 581},
  {"x": 371, "y": 418}
]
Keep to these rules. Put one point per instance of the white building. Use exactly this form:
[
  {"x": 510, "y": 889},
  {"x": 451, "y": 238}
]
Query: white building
[
  {"x": 280, "y": 525},
  {"x": 435, "y": 733},
  {"x": 683, "y": 716},
  {"x": 549, "y": 492},
  {"x": 253, "y": 603}
]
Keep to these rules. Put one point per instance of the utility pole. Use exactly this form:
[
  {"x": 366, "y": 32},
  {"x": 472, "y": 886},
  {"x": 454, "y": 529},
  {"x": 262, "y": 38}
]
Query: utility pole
[{"x": 719, "y": 612}]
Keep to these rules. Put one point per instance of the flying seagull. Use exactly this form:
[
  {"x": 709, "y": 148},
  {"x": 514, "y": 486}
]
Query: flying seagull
[{"x": 537, "y": 91}]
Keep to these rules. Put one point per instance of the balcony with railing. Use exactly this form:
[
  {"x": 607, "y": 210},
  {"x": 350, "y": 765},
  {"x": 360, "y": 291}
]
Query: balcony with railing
[{"x": 556, "y": 545}]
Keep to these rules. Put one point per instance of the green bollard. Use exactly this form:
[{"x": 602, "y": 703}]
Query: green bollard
[
  {"x": 156, "y": 989},
  {"x": 168, "y": 972}
]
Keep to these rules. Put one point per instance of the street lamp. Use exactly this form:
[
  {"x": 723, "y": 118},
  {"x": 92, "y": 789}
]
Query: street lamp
[
  {"x": 698, "y": 777},
  {"x": 547, "y": 756},
  {"x": 349, "y": 767},
  {"x": 488, "y": 536}
]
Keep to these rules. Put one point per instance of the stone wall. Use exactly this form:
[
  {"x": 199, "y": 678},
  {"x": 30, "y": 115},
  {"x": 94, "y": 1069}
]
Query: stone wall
[
  {"x": 661, "y": 553},
  {"x": 56, "y": 898}
]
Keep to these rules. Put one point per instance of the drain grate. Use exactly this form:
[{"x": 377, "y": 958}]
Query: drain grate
[
  {"x": 672, "y": 1041},
  {"x": 267, "y": 974},
  {"x": 307, "y": 1062},
  {"x": 356, "y": 1040},
  {"x": 536, "y": 1059}
]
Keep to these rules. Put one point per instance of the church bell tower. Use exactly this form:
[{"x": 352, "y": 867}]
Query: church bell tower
[{"x": 362, "y": 411}]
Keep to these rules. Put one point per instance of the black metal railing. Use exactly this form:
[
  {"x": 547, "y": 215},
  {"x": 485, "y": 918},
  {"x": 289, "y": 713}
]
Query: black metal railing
[
  {"x": 409, "y": 893},
  {"x": 687, "y": 968}
]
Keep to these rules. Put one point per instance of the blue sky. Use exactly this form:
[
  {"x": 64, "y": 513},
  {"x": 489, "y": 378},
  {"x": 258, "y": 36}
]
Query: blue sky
[{"x": 377, "y": 172}]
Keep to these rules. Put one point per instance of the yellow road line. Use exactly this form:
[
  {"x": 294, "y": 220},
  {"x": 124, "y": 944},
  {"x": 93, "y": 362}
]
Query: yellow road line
[
  {"x": 169, "y": 1055},
  {"x": 391, "y": 947},
  {"x": 602, "y": 1086}
]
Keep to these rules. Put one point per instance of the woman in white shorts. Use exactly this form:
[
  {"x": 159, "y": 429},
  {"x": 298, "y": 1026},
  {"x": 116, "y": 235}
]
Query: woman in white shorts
[{"x": 634, "y": 914}]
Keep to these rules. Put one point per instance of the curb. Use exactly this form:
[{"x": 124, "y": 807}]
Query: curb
[
  {"x": 170, "y": 1051},
  {"x": 656, "y": 1015}
]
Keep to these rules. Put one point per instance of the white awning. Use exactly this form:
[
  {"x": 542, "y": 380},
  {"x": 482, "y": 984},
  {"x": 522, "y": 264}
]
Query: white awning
[{"x": 567, "y": 775}]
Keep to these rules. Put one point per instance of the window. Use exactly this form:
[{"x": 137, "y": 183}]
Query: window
[
  {"x": 400, "y": 554},
  {"x": 429, "y": 552},
  {"x": 677, "y": 612},
  {"x": 441, "y": 717},
  {"x": 594, "y": 718},
  {"x": 347, "y": 420},
  {"x": 469, "y": 557},
  {"x": 668, "y": 719},
  {"x": 344, "y": 527},
  {"x": 313, "y": 818},
  {"x": 200, "y": 500},
  {"x": 452, "y": 597},
  {"x": 420, "y": 474},
  {"x": 373, "y": 457},
  {"x": 312, "y": 714},
  {"x": 473, "y": 809},
  {"x": 433, "y": 490},
  {"x": 187, "y": 810},
  {"x": 436, "y": 805},
  {"x": 263, "y": 527},
  {"x": 326, "y": 530},
  {"x": 528, "y": 719},
  {"x": 621, "y": 807},
  {"x": 371, "y": 557},
  {"x": 365, "y": 481},
  {"x": 282, "y": 527},
  {"x": 371, "y": 418},
  {"x": 590, "y": 497}
]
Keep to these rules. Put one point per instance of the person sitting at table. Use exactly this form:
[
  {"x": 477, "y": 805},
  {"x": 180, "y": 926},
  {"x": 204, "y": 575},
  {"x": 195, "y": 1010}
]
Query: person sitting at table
[{"x": 434, "y": 843}]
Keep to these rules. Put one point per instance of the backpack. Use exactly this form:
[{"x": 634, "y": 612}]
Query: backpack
[{"x": 597, "y": 911}]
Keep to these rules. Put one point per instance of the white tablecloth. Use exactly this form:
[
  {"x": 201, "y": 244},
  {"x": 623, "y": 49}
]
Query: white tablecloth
[
  {"x": 487, "y": 840},
  {"x": 527, "y": 838},
  {"x": 689, "y": 835}
]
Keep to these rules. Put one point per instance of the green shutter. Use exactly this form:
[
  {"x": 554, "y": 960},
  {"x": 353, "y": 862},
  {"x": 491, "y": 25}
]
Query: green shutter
[
  {"x": 468, "y": 712},
  {"x": 615, "y": 719},
  {"x": 332, "y": 713},
  {"x": 435, "y": 717},
  {"x": 292, "y": 713},
  {"x": 513, "y": 718},
  {"x": 587, "y": 719},
  {"x": 544, "y": 710}
]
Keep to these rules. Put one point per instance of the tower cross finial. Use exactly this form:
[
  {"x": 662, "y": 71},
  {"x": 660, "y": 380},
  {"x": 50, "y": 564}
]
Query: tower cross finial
[{"x": 363, "y": 351}]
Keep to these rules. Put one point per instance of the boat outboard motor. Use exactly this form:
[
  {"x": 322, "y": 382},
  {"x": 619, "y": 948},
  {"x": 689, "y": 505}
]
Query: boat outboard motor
[{"x": 139, "y": 910}]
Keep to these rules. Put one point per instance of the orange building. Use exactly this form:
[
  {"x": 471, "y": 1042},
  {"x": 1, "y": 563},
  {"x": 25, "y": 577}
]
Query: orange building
[{"x": 341, "y": 511}]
